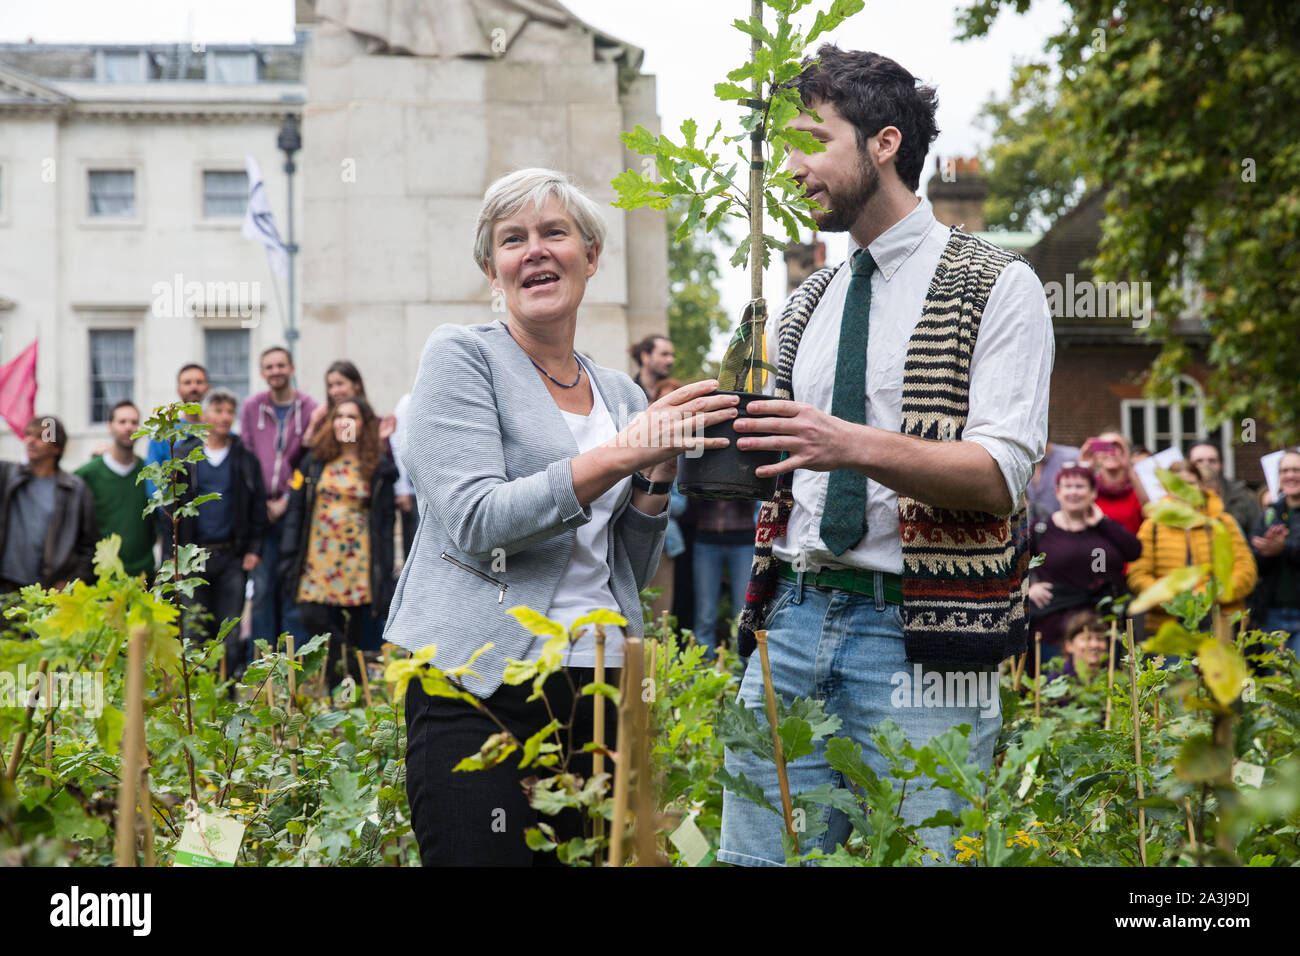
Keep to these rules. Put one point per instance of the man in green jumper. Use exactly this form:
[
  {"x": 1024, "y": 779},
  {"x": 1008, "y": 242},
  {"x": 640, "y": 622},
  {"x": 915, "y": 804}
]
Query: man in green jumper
[{"x": 119, "y": 499}]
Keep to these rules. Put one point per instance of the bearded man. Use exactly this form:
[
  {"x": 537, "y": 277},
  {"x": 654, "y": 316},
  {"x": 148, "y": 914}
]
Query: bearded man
[{"x": 911, "y": 402}]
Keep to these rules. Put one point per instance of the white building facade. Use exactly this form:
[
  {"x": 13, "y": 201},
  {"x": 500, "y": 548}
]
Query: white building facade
[{"x": 123, "y": 190}]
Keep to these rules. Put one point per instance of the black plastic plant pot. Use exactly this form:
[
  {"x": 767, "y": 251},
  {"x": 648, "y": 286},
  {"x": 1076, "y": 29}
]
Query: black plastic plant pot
[{"x": 727, "y": 473}]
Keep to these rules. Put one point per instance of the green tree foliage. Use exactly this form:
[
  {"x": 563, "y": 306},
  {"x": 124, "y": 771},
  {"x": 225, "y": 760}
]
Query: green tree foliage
[
  {"x": 1032, "y": 173},
  {"x": 1189, "y": 112},
  {"x": 695, "y": 313}
]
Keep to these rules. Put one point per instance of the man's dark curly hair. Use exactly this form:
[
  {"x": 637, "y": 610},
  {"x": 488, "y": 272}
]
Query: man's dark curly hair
[{"x": 871, "y": 92}]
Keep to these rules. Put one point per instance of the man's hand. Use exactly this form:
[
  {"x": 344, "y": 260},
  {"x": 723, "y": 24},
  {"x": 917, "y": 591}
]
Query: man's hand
[
  {"x": 405, "y": 503},
  {"x": 276, "y": 507},
  {"x": 813, "y": 439},
  {"x": 251, "y": 561}
]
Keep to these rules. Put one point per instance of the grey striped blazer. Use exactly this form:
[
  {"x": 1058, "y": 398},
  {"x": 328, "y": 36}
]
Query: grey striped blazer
[{"x": 488, "y": 452}]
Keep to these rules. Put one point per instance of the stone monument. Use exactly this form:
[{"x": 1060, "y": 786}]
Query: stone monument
[{"x": 412, "y": 108}]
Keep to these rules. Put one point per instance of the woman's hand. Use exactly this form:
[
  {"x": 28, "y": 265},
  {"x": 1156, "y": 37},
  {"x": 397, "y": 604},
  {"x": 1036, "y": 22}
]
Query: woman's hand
[
  {"x": 1040, "y": 593},
  {"x": 313, "y": 422},
  {"x": 1270, "y": 545},
  {"x": 1095, "y": 514},
  {"x": 674, "y": 424},
  {"x": 387, "y": 425}
]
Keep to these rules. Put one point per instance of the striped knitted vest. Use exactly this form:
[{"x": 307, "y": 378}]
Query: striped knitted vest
[{"x": 964, "y": 573}]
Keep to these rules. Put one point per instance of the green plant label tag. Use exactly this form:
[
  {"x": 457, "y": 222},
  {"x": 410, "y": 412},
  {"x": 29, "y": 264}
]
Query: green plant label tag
[
  {"x": 209, "y": 840},
  {"x": 1247, "y": 774},
  {"x": 690, "y": 842}
]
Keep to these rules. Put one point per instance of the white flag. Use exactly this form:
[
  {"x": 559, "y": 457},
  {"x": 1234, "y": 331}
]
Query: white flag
[{"x": 259, "y": 224}]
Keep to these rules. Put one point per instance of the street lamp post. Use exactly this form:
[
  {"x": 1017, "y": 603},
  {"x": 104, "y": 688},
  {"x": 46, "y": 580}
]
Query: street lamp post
[{"x": 290, "y": 141}]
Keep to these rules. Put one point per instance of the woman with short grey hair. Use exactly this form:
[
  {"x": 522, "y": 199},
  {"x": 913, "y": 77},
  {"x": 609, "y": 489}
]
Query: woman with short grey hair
[{"x": 542, "y": 480}]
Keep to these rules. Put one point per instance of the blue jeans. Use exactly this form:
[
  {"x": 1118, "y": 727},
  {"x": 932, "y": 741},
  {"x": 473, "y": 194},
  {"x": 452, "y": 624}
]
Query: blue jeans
[
  {"x": 273, "y": 611},
  {"x": 1283, "y": 619},
  {"x": 709, "y": 561},
  {"x": 847, "y": 651}
]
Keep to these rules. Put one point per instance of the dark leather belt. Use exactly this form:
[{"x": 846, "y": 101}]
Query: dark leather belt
[{"x": 848, "y": 579}]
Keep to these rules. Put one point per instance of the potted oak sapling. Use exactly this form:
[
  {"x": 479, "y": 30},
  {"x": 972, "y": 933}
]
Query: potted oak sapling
[{"x": 716, "y": 188}]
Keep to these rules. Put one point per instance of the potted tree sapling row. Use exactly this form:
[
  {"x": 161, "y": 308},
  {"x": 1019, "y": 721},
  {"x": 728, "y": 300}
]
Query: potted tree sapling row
[{"x": 715, "y": 190}]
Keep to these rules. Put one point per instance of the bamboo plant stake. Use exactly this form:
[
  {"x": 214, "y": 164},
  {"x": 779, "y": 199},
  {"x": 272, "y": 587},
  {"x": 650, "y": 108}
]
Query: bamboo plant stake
[
  {"x": 1038, "y": 671},
  {"x": 1018, "y": 671},
  {"x": 622, "y": 756},
  {"x": 146, "y": 800},
  {"x": 293, "y": 693},
  {"x": 365, "y": 677},
  {"x": 132, "y": 736},
  {"x": 758, "y": 307},
  {"x": 1137, "y": 743},
  {"x": 782, "y": 780},
  {"x": 598, "y": 726},
  {"x": 1110, "y": 670},
  {"x": 16, "y": 755},
  {"x": 645, "y": 832}
]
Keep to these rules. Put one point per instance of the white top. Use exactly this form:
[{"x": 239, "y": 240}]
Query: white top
[
  {"x": 584, "y": 585},
  {"x": 116, "y": 467},
  {"x": 1011, "y": 369},
  {"x": 397, "y": 442},
  {"x": 216, "y": 456}
]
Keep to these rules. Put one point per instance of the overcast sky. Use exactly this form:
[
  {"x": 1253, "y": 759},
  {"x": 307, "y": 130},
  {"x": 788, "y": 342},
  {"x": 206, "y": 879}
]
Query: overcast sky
[{"x": 689, "y": 45}]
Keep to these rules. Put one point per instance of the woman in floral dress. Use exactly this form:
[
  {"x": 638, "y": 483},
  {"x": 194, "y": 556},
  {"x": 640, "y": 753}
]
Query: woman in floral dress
[{"x": 337, "y": 556}]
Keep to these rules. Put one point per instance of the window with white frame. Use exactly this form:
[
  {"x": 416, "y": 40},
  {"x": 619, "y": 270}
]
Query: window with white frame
[
  {"x": 123, "y": 66},
  {"x": 226, "y": 352},
  {"x": 1157, "y": 425},
  {"x": 225, "y": 193},
  {"x": 112, "y": 193},
  {"x": 226, "y": 66},
  {"x": 112, "y": 370}
]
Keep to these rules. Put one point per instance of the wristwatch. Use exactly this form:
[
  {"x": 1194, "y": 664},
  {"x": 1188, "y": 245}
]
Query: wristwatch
[{"x": 641, "y": 483}]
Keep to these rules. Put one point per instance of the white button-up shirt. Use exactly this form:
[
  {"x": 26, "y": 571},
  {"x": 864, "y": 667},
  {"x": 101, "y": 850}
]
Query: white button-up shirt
[{"x": 1010, "y": 375}]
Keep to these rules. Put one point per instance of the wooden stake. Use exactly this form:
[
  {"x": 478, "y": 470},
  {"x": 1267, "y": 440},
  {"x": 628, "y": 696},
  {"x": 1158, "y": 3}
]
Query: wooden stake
[
  {"x": 1137, "y": 743},
  {"x": 146, "y": 801},
  {"x": 598, "y": 725},
  {"x": 132, "y": 736},
  {"x": 646, "y": 832},
  {"x": 758, "y": 313},
  {"x": 16, "y": 755},
  {"x": 293, "y": 694},
  {"x": 365, "y": 678},
  {"x": 1191, "y": 830},
  {"x": 622, "y": 757},
  {"x": 1110, "y": 670},
  {"x": 782, "y": 781},
  {"x": 1018, "y": 671},
  {"x": 1038, "y": 671}
]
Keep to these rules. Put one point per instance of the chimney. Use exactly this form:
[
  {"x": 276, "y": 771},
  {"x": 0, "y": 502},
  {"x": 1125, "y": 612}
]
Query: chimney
[
  {"x": 802, "y": 259},
  {"x": 957, "y": 191}
]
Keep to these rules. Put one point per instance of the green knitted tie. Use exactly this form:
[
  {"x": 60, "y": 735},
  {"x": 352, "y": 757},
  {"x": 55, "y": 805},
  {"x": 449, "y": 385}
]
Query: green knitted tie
[{"x": 844, "y": 521}]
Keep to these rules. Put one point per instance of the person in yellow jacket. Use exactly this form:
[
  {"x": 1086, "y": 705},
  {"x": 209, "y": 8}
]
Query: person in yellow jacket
[{"x": 1166, "y": 549}]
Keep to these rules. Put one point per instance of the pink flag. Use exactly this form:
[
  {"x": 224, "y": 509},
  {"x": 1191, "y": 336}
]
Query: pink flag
[{"x": 18, "y": 390}]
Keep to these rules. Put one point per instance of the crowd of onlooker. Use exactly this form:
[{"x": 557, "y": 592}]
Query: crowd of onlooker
[
  {"x": 1087, "y": 520},
  {"x": 309, "y": 495},
  {"x": 306, "y": 499}
]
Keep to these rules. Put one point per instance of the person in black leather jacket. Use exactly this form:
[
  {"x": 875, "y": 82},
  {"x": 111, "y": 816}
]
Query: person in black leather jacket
[
  {"x": 336, "y": 550},
  {"x": 47, "y": 516}
]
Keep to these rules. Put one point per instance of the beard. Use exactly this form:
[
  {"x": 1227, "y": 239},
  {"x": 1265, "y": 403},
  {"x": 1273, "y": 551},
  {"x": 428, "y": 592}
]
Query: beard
[{"x": 845, "y": 208}]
